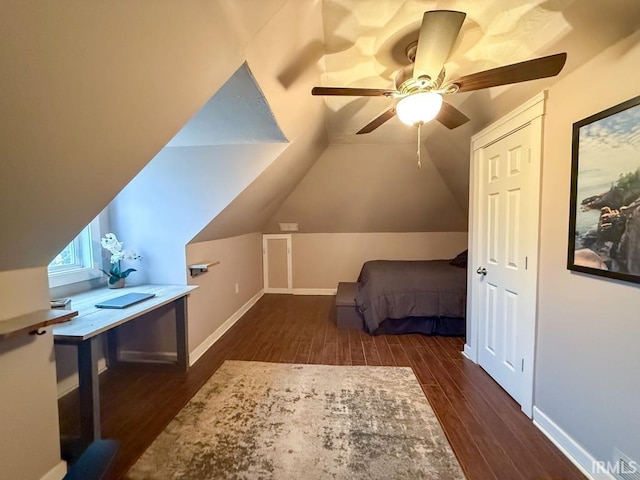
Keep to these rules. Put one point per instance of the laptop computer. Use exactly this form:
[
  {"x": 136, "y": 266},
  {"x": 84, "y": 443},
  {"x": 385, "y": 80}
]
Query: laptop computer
[{"x": 125, "y": 301}]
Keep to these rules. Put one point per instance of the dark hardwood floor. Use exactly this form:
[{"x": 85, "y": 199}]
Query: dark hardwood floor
[{"x": 489, "y": 434}]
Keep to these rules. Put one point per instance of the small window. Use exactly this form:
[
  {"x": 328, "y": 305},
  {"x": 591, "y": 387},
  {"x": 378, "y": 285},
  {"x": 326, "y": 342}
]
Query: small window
[{"x": 79, "y": 260}]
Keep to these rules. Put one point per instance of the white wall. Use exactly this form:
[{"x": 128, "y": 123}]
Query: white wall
[
  {"x": 587, "y": 358},
  {"x": 216, "y": 300},
  {"x": 30, "y": 439},
  {"x": 322, "y": 260},
  {"x": 175, "y": 196},
  {"x": 164, "y": 207},
  {"x": 372, "y": 188}
]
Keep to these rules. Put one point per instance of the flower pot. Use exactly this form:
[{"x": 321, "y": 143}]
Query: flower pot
[{"x": 118, "y": 284}]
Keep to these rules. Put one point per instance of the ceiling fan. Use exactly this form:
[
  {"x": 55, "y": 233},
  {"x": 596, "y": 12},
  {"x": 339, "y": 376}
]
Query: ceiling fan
[{"x": 421, "y": 88}]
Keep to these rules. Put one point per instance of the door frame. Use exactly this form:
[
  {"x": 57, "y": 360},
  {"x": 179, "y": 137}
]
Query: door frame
[
  {"x": 265, "y": 262},
  {"x": 530, "y": 113}
]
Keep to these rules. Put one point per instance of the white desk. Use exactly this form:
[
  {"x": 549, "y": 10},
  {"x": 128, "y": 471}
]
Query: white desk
[{"x": 84, "y": 332}]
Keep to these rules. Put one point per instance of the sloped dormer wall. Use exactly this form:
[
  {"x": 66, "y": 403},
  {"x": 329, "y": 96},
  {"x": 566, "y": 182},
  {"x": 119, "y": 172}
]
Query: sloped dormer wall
[
  {"x": 91, "y": 92},
  {"x": 364, "y": 202}
]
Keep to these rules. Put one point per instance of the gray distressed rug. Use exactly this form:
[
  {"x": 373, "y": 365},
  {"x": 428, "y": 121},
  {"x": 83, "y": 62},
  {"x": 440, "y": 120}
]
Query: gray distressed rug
[{"x": 255, "y": 420}]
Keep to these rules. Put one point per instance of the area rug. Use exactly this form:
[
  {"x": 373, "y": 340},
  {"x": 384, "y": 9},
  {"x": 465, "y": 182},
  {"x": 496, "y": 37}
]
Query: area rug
[{"x": 255, "y": 420}]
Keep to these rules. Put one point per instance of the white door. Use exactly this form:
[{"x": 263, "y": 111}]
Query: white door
[
  {"x": 503, "y": 275},
  {"x": 277, "y": 263}
]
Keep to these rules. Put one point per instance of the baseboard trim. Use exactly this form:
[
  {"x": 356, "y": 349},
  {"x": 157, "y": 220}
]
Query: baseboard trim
[
  {"x": 70, "y": 383},
  {"x": 285, "y": 291},
  {"x": 567, "y": 445},
  {"x": 56, "y": 473},
  {"x": 314, "y": 291},
  {"x": 147, "y": 357},
  {"x": 222, "y": 329}
]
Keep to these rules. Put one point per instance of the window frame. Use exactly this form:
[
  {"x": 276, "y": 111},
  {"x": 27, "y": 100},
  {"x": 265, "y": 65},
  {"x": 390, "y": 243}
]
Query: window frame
[{"x": 87, "y": 244}]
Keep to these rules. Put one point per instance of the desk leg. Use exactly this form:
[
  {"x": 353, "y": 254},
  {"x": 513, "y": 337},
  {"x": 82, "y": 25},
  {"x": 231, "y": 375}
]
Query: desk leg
[
  {"x": 112, "y": 347},
  {"x": 182, "y": 341},
  {"x": 89, "y": 391}
]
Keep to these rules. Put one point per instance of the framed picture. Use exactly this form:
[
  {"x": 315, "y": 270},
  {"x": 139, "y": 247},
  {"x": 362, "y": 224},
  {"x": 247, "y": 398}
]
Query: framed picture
[{"x": 604, "y": 221}]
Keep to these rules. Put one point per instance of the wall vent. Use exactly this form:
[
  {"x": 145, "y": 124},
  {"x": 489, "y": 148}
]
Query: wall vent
[
  {"x": 288, "y": 227},
  {"x": 626, "y": 468}
]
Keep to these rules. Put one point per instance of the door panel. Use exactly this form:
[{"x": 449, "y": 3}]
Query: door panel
[
  {"x": 503, "y": 250},
  {"x": 503, "y": 185},
  {"x": 277, "y": 263}
]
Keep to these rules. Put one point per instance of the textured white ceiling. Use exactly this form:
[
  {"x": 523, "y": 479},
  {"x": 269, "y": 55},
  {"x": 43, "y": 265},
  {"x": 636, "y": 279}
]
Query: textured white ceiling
[{"x": 365, "y": 42}]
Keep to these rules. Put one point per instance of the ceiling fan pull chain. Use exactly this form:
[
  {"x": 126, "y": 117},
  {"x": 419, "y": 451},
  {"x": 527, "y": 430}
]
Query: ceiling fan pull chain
[{"x": 418, "y": 152}]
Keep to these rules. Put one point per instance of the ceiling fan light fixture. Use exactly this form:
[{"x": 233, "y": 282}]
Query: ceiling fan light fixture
[{"x": 419, "y": 108}]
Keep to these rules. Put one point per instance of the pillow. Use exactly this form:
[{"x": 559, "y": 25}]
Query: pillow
[{"x": 460, "y": 260}]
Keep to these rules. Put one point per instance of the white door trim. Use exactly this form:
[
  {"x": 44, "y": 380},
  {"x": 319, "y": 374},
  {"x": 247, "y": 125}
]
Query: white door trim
[
  {"x": 265, "y": 262},
  {"x": 530, "y": 113}
]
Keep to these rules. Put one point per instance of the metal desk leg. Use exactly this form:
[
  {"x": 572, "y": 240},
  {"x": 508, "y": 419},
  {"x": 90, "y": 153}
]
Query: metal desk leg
[
  {"x": 182, "y": 340},
  {"x": 89, "y": 391}
]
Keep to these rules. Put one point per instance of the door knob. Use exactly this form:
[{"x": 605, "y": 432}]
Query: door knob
[{"x": 481, "y": 271}]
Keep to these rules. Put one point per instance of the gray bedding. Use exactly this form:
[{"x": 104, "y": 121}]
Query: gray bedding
[{"x": 400, "y": 289}]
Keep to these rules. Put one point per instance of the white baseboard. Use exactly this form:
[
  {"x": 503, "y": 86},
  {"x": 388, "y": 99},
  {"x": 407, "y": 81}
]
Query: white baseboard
[
  {"x": 315, "y": 291},
  {"x": 147, "y": 357},
  {"x": 70, "y": 383},
  {"x": 281, "y": 291},
  {"x": 567, "y": 445},
  {"x": 221, "y": 330},
  {"x": 57, "y": 472}
]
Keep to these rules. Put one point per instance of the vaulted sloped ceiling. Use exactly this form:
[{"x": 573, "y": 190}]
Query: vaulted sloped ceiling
[
  {"x": 250, "y": 210},
  {"x": 285, "y": 73},
  {"x": 93, "y": 90},
  {"x": 371, "y": 188},
  {"x": 364, "y": 46}
]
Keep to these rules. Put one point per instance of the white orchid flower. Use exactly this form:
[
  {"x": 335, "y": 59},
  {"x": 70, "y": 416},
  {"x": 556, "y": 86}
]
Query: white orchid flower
[
  {"x": 110, "y": 242},
  {"x": 130, "y": 255}
]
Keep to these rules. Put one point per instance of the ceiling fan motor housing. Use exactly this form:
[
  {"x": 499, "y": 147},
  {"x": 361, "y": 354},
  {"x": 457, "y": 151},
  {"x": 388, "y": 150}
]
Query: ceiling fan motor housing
[{"x": 407, "y": 84}]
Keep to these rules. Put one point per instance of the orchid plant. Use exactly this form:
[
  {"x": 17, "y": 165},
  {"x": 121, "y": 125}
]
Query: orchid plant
[{"x": 110, "y": 242}]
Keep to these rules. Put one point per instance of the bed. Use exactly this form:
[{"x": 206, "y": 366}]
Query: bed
[{"x": 413, "y": 297}]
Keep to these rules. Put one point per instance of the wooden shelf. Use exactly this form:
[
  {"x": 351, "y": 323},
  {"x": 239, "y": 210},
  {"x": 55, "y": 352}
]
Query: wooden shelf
[
  {"x": 202, "y": 267},
  {"x": 33, "y": 321}
]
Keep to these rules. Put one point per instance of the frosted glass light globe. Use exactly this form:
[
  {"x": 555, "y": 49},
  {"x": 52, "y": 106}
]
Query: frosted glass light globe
[{"x": 419, "y": 107}]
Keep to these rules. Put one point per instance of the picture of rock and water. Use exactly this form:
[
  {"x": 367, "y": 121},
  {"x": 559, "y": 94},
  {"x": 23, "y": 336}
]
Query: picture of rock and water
[{"x": 607, "y": 234}]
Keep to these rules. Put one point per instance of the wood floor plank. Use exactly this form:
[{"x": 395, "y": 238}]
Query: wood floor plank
[
  {"x": 355, "y": 347},
  {"x": 469, "y": 455},
  {"x": 288, "y": 354},
  {"x": 344, "y": 349},
  {"x": 330, "y": 356},
  {"x": 420, "y": 367},
  {"x": 489, "y": 434},
  {"x": 399, "y": 355},
  {"x": 371, "y": 353},
  {"x": 499, "y": 448},
  {"x": 384, "y": 352},
  {"x": 304, "y": 351}
]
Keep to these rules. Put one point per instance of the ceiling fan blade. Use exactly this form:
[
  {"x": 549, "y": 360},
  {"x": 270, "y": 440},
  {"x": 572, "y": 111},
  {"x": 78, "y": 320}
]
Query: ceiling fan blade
[
  {"x": 450, "y": 116},
  {"x": 376, "y": 122},
  {"x": 438, "y": 33},
  {"x": 542, "y": 67},
  {"x": 352, "y": 92}
]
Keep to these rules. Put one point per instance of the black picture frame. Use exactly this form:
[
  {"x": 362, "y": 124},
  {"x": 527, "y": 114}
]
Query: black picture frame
[{"x": 604, "y": 215}]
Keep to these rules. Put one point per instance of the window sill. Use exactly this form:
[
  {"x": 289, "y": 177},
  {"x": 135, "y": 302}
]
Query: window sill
[{"x": 77, "y": 276}]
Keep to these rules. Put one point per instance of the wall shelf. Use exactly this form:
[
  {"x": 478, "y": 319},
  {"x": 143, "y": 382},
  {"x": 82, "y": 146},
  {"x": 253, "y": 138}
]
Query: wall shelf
[
  {"x": 32, "y": 322},
  {"x": 200, "y": 268}
]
